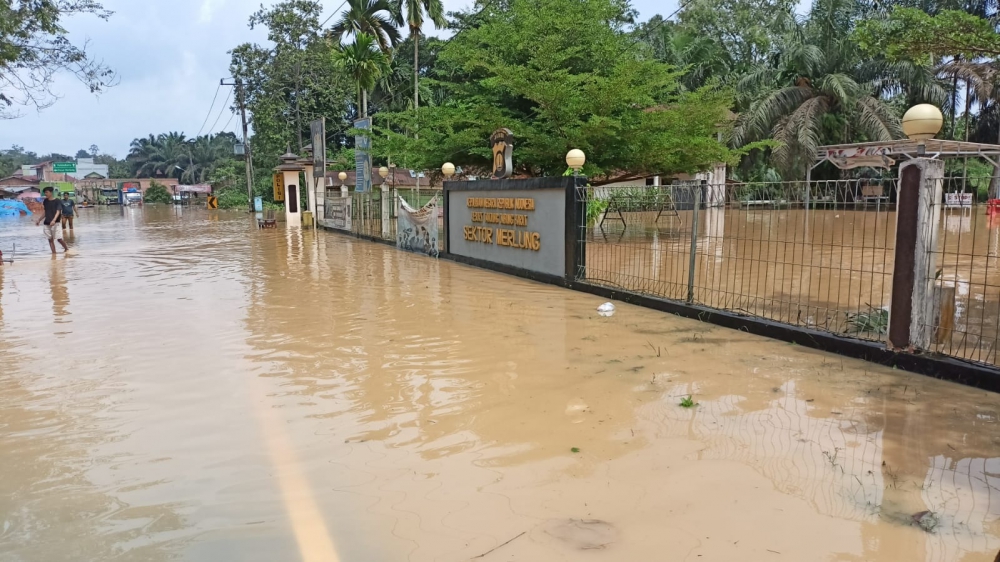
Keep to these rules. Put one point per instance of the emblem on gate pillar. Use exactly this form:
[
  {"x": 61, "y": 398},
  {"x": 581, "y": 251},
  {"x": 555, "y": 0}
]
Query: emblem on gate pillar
[{"x": 502, "y": 142}]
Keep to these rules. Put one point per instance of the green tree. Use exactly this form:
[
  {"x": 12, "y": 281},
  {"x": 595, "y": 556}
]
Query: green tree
[
  {"x": 364, "y": 63},
  {"x": 413, "y": 13},
  {"x": 914, "y": 34},
  {"x": 13, "y": 158},
  {"x": 562, "y": 74},
  {"x": 821, "y": 91},
  {"x": 292, "y": 83},
  {"x": 157, "y": 193},
  {"x": 375, "y": 17},
  {"x": 34, "y": 47}
]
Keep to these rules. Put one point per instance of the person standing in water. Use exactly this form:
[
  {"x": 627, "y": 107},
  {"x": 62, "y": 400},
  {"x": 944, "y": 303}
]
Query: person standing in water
[
  {"x": 68, "y": 210},
  {"x": 53, "y": 210}
]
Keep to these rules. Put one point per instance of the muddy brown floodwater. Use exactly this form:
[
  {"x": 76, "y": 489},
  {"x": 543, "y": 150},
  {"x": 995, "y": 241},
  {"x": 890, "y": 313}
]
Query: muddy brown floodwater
[{"x": 187, "y": 387}]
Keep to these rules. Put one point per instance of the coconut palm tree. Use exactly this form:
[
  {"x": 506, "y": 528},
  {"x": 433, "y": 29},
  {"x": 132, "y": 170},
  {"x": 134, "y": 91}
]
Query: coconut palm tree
[
  {"x": 374, "y": 17},
  {"x": 365, "y": 63},
  {"x": 411, "y": 13}
]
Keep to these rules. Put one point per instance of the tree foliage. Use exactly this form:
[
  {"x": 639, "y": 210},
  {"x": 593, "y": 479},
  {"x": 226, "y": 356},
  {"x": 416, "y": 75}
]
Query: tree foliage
[
  {"x": 174, "y": 155},
  {"x": 376, "y": 18},
  {"x": 910, "y": 33},
  {"x": 34, "y": 47},
  {"x": 157, "y": 193},
  {"x": 562, "y": 74},
  {"x": 292, "y": 82}
]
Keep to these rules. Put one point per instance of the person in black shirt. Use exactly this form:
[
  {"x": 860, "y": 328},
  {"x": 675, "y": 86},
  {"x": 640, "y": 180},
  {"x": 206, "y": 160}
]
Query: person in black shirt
[{"x": 51, "y": 229}]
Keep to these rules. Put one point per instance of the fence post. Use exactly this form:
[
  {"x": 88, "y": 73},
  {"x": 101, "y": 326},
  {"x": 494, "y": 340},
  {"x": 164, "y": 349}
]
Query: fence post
[
  {"x": 694, "y": 240},
  {"x": 918, "y": 212},
  {"x": 575, "y": 228},
  {"x": 386, "y": 202}
]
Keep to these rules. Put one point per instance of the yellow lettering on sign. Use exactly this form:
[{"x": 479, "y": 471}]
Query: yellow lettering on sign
[{"x": 502, "y": 203}]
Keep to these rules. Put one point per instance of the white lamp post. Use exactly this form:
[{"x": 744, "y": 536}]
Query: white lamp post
[
  {"x": 343, "y": 183},
  {"x": 575, "y": 159},
  {"x": 921, "y": 122}
]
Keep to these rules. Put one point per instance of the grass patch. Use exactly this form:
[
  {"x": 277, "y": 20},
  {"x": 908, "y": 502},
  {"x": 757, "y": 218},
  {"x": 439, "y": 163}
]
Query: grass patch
[
  {"x": 687, "y": 402},
  {"x": 873, "y": 321},
  {"x": 575, "y": 449}
]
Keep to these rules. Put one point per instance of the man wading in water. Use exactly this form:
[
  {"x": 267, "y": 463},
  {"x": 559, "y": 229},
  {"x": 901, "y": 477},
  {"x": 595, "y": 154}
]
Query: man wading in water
[
  {"x": 52, "y": 228},
  {"x": 68, "y": 210}
]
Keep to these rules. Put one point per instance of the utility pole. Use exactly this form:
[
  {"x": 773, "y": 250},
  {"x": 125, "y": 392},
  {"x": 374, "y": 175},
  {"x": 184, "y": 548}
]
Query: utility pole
[{"x": 241, "y": 101}]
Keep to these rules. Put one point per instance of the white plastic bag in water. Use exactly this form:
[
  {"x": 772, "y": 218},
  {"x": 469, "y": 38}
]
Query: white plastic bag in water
[{"x": 606, "y": 309}]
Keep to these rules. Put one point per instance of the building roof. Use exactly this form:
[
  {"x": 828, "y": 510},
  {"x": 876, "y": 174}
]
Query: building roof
[
  {"x": 869, "y": 153},
  {"x": 18, "y": 181},
  {"x": 17, "y": 189}
]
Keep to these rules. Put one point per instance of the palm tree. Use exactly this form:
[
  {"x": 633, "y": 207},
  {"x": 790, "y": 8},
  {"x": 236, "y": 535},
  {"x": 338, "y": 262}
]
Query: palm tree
[
  {"x": 411, "y": 13},
  {"x": 203, "y": 155},
  {"x": 816, "y": 90},
  {"x": 364, "y": 63},
  {"x": 374, "y": 17}
]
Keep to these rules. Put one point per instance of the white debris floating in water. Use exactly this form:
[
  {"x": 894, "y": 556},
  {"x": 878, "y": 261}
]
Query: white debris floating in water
[{"x": 606, "y": 309}]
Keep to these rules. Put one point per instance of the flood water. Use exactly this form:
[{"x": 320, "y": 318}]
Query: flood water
[{"x": 186, "y": 387}]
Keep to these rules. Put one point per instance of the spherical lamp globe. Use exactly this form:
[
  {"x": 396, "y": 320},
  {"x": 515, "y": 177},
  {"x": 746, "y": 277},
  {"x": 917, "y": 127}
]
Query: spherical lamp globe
[
  {"x": 922, "y": 122},
  {"x": 576, "y": 158},
  {"x": 448, "y": 169},
  {"x": 384, "y": 172},
  {"x": 342, "y": 176}
]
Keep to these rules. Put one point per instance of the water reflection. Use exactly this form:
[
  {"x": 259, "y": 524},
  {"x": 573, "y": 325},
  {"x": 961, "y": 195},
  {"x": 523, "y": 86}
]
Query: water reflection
[{"x": 57, "y": 285}]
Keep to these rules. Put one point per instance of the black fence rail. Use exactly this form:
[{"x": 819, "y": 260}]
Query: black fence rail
[{"x": 819, "y": 258}]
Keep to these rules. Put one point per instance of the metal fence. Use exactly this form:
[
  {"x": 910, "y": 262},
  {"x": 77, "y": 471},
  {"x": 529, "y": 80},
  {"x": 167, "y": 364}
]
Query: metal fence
[
  {"x": 820, "y": 258},
  {"x": 964, "y": 274},
  {"x": 367, "y": 214}
]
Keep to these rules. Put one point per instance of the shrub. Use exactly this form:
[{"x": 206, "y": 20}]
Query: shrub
[{"x": 157, "y": 193}]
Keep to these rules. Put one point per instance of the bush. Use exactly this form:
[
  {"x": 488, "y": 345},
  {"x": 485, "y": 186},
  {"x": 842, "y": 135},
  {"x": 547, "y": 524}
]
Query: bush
[
  {"x": 157, "y": 193},
  {"x": 232, "y": 198}
]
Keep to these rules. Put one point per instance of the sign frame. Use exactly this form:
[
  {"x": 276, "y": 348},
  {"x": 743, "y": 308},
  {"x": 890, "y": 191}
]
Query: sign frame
[
  {"x": 317, "y": 130},
  {"x": 362, "y": 156}
]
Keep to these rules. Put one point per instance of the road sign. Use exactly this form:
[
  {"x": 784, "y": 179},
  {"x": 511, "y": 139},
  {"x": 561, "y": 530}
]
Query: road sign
[
  {"x": 213, "y": 202},
  {"x": 279, "y": 187},
  {"x": 64, "y": 167}
]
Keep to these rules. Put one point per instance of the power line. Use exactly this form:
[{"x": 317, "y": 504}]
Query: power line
[
  {"x": 221, "y": 111},
  {"x": 209, "y": 114},
  {"x": 225, "y": 128},
  {"x": 333, "y": 14}
]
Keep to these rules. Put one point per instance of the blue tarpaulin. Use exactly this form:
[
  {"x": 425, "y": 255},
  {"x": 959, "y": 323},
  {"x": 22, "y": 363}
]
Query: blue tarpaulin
[{"x": 10, "y": 208}]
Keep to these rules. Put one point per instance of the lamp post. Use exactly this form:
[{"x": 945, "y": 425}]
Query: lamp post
[
  {"x": 384, "y": 172},
  {"x": 920, "y": 123},
  {"x": 575, "y": 159},
  {"x": 343, "y": 183}
]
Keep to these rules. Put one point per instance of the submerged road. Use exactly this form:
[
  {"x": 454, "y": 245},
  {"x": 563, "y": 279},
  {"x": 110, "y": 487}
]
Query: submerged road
[{"x": 187, "y": 387}]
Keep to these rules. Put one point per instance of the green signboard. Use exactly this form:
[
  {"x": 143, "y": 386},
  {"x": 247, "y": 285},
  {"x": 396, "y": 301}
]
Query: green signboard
[{"x": 64, "y": 167}]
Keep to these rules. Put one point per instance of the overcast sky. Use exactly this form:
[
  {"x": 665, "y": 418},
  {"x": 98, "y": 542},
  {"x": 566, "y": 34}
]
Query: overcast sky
[{"x": 170, "y": 55}]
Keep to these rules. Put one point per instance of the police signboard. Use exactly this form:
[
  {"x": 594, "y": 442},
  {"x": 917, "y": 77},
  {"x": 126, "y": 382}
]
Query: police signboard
[{"x": 279, "y": 187}]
